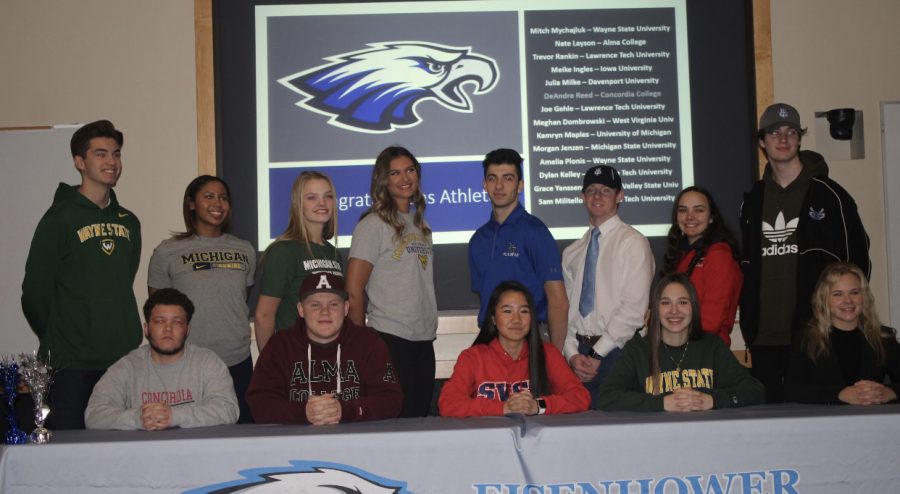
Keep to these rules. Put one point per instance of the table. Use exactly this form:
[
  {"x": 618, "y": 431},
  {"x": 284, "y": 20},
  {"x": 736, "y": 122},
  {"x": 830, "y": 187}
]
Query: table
[{"x": 783, "y": 449}]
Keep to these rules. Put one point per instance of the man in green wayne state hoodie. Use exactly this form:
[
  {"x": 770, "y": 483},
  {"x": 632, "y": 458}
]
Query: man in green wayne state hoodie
[{"x": 77, "y": 294}]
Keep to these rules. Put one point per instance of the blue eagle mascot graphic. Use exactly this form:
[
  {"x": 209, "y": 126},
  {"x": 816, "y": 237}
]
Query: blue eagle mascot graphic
[
  {"x": 377, "y": 89},
  {"x": 307, "y": 477}
]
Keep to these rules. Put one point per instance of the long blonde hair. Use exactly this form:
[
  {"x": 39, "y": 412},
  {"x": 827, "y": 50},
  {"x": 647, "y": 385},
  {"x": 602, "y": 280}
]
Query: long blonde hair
[
  {"x": 298, "y": 228},
  {"x": 816, "y": 342},
  {"x": 383, "y": 205}
]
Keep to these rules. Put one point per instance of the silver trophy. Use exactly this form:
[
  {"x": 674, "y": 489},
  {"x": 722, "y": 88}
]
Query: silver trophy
[{"x": 38, "y": 375}]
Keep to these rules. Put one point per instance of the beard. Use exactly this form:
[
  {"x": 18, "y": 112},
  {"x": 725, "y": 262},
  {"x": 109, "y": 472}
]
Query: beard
[{"x": 166, "y": 351}]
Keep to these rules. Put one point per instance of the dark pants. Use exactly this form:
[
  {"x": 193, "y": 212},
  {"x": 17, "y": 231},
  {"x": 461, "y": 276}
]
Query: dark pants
[
  {"x": 606, "y": 365},
  {"x": 414, "y": 363},
  {"x": 69, "y": 395},
  {"x": 24, "y": 411},
  {"x": 769, "y": 365},
  {"x": 240, "y": 376}
]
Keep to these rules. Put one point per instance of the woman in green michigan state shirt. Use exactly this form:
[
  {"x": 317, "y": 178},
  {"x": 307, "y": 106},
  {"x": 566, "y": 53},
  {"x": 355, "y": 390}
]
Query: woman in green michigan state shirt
[
  {"x": 301, "y": 250},
  {"x": 677, "y": 367}
]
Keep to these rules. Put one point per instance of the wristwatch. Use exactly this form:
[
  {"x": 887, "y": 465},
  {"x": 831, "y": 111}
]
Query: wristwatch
[
  {"x": 542, "y": 406},
  {"x": 595, "y": 355}
]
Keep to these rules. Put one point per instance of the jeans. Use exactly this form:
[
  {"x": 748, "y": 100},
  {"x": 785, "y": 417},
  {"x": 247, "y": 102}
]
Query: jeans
[
  {"x": 69, "y": 395},
  {"x": 606, "y": 365},
  {"x": 769, "y": 364}
]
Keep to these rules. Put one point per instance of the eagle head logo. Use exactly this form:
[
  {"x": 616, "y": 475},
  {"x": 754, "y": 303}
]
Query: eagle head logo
[
  {"x": 308, "y": 477},
  {"x": 377, "y": 89}
]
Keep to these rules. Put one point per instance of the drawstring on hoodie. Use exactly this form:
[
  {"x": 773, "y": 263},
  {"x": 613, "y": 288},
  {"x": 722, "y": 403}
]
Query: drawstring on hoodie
[
  {"x": 309, "y": 368},
  {"x": 339, "y": 369}
]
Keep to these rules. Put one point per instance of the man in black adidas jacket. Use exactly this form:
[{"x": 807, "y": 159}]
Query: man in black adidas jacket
[{"x": 794, "y": 222}]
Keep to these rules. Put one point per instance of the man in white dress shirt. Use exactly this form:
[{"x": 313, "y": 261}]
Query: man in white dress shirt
[{"x": 616, "y": 296}]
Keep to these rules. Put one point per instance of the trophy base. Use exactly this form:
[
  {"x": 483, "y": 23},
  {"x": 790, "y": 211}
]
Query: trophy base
[{"x": 40, "y": 435}]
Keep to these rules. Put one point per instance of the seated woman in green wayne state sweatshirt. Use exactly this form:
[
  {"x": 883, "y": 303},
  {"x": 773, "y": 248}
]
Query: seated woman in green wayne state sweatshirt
[{"x": 677, "y": 367}]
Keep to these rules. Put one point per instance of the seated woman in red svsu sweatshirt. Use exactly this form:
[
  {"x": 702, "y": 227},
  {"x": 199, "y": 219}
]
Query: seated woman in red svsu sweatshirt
[{"x": 508, "y": 369}]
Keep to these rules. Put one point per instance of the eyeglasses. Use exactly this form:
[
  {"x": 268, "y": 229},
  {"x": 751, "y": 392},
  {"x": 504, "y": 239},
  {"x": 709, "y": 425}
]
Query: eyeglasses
[{"x": 789, "y": 134}]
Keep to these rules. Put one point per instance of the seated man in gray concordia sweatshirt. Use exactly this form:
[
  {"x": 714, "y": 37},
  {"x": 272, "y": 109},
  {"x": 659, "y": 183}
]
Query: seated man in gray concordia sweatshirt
[{"x": 167, "y": 383}]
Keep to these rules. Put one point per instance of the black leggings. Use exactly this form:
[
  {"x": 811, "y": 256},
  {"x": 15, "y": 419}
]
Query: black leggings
[
  {"x": 240, "y": 377},
  {"x": 414, "y": 363}
]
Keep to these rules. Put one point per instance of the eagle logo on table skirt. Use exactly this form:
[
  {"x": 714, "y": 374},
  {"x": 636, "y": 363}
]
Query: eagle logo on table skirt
[
  {"x": 377, "y": 89},
  {"x": 307, "y": 477}
]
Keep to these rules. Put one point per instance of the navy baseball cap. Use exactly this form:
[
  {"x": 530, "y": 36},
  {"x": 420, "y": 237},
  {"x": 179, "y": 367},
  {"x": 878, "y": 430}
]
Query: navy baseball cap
[{"x": 604, "y": 175}]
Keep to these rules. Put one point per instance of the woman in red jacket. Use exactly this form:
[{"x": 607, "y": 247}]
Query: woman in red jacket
[
  {"x": 700, "y": 245},
  {"x": 508, "y": 369}
]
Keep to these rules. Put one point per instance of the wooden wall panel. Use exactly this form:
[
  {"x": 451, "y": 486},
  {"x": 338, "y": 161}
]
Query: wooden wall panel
[
  {"x": 206, "y": 97},
  {"x": 762, "y": 47}
]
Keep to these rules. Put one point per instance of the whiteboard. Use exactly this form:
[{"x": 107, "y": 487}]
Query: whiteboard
[
  {"x": 890, "y": 141},
  {"x": 33, "y": 163}
]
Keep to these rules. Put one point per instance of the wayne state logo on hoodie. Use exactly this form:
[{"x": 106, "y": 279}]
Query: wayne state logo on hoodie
[{"x": 778, "y": 233}]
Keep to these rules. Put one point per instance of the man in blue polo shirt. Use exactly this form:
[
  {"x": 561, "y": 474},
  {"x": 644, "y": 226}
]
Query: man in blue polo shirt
[{"x": 514, "y": 245}]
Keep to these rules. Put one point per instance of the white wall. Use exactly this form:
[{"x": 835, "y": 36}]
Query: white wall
[
  {"x": 832, "y": 54},
  {"x": 40, "y": 159},
  {"x": 130, "y": 61}
]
